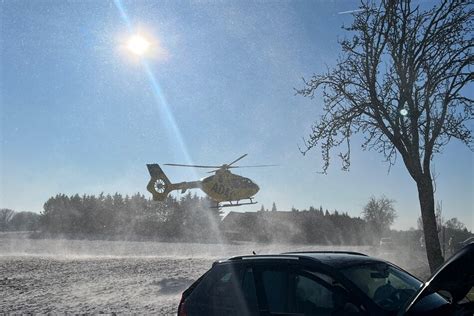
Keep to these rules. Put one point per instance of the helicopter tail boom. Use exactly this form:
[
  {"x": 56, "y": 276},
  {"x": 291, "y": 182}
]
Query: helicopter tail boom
[{"x": 160, "y": 186}]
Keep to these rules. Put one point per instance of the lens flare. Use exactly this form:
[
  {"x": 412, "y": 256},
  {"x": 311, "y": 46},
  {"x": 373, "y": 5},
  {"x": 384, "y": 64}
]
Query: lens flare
[
  {"x": 163, "y": 109},
  {"x": 138, "y": 45}
]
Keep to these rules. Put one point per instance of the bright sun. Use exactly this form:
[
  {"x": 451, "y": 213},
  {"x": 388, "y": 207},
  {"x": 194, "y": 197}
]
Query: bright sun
[{"x": 138, "y": 45}]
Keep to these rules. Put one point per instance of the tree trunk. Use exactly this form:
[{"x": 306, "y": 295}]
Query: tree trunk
[{"x": 426, "y": 197}]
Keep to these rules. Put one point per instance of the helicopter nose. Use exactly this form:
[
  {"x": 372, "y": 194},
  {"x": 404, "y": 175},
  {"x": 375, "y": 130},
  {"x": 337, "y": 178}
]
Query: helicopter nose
[{"x": 255, "y": 189}]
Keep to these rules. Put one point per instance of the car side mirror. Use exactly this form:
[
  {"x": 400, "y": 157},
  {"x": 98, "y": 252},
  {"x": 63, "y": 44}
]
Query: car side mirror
[{"x": 447, "y": 295}]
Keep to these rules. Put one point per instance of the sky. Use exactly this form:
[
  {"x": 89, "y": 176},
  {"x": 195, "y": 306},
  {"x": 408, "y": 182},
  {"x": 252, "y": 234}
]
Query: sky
[{"x": 81, "y": 114}]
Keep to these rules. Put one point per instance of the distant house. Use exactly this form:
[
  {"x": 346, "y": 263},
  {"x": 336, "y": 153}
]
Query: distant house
[
  {"x": 258, "y": 226},
  {"x": 307, "y": 226},
  {"x": 235, "y": 226}
]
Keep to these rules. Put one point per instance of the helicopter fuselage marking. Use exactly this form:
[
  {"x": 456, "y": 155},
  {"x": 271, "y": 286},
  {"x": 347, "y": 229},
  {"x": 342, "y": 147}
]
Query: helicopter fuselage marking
[{"x": 221, "y": 189}]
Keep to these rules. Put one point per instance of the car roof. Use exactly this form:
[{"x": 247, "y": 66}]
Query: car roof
[{"x": 334, "y": 259}]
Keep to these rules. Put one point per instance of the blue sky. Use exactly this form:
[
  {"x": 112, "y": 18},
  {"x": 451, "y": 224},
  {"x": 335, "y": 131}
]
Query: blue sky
[{"x": 79, "y": 114}]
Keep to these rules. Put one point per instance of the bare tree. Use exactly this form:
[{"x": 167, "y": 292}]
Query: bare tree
[
  {"x": 401, "y": 82},
  {"x": 455, "y": 224},
  {"x": 440, "y": 220},
  {"x": 380, "y": 214}
]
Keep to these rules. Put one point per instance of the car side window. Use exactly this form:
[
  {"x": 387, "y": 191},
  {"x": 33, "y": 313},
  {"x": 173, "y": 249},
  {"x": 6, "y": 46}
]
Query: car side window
[
  {"x": 223, "y": 282},
  {"x": 299, "y": 292},
  {"x": 319, "y": 294},
  {"x": 228, "y": 290},
  {"x": 311, "y": 293},
  {"x": 225, "y": 290}
]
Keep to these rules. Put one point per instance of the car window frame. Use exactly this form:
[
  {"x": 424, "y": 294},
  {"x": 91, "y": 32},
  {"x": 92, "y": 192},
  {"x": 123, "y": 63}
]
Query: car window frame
[{"x": 258, "y": 268}]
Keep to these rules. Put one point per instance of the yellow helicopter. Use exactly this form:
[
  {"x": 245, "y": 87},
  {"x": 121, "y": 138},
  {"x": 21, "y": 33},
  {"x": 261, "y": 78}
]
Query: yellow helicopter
[{"x": 223, "y": 186}]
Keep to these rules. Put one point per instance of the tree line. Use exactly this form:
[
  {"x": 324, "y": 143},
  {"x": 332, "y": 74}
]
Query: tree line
[
  {"x": 191, "y": 218},
  {"x": 126, "y": 217},
  {"x": 18, "y": 221}
]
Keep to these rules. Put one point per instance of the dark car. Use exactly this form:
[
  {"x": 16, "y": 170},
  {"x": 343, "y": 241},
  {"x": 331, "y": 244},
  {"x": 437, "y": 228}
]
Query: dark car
[
  {"x": 468, "y": 241},
  {"x": 327, "y": 283}
]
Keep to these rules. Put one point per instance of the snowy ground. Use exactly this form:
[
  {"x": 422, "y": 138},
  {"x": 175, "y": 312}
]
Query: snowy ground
[{"x": 72, "y": 276}]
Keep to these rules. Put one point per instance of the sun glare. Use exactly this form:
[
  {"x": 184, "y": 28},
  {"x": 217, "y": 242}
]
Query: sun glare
[
  {"x": 404, "y": 112},
  {"x": 138, "y": 45}
]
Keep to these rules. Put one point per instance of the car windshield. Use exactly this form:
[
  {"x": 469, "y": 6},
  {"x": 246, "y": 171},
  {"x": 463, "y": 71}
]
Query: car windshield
[{"x": 384, "y": 284}]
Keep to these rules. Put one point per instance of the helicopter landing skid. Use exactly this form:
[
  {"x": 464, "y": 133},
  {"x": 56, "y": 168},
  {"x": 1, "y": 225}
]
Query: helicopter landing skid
[{"x": 230, "y": 204}]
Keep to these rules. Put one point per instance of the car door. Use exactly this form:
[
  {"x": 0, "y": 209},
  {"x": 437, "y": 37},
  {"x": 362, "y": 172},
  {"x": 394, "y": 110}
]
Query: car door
[
  {"x": 287, "y": 289},
  {"x": 454, "y": 280}
]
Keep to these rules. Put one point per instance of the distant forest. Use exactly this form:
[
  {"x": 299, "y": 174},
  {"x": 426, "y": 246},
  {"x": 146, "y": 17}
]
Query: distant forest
[
  {"x": 191, "y": 218},
  {"x": 130, "y": 217}
]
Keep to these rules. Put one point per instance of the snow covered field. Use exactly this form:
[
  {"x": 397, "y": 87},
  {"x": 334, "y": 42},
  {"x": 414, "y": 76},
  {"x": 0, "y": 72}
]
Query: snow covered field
[{"x": 78, "y": 276}]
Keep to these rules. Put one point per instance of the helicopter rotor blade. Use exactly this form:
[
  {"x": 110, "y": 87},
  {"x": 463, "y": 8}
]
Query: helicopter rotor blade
[
  {"x": 234, "y": 167},
  {"x": 254, "y": 166},
  {"x": 192, "y": 166},
  {"x": 236, "y": 160},
  {"x": 216, "y": 168}
]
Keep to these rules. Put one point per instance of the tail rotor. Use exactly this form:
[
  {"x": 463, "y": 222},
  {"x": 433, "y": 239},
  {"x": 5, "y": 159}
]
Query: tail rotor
[{"x": 159, "y": 185}]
